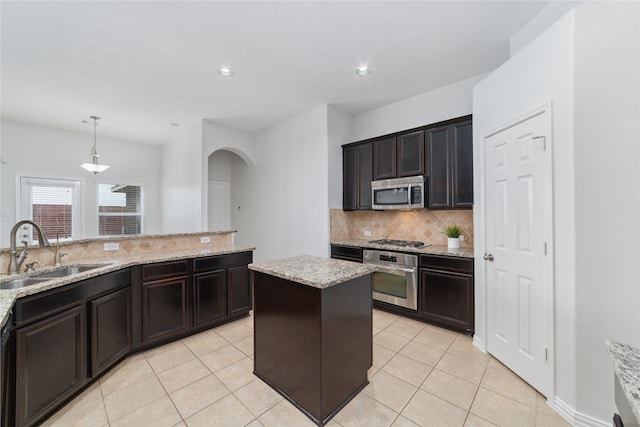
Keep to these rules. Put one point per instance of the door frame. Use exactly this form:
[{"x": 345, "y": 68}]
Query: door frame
[{"x": 480, "y": 235}]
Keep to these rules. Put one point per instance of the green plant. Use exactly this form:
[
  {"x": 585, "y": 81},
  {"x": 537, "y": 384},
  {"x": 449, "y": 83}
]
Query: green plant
[{"x": 452, "y": 231}]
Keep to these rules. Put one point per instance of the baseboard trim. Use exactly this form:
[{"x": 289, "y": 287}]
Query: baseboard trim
[
  {"x": 576, "y": 418},
  {"x": 478, "y": 343}
]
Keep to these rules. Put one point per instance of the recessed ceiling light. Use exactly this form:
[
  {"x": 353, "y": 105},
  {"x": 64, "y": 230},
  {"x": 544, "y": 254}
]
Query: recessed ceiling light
[
  {"x": 225, "y": 72},
  {"x": 363, "y": 71},
  {"x": 175, "y": 124}
]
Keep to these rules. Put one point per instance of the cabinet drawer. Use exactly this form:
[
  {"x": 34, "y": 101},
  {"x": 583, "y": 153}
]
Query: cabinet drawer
[
  {"x": 221, "y": 261},
  {"x": 348, "y": 253},
  {"x": 447, "y": 263},
  {"x": 164, "y": 269}
]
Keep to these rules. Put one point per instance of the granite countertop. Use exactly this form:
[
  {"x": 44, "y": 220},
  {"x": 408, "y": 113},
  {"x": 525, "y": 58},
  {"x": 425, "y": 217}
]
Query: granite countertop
[
  {"x": 626, "y": 364},
  {"x": 429, "y": 250},
  {"x": 106, "y": 265},
  {"x": 313, "y": 271}
]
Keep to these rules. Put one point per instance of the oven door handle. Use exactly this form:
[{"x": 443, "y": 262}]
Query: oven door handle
[{"x": 394, "y": 269}]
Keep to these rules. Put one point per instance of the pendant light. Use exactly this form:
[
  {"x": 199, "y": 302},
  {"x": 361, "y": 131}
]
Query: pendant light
[{"x": 94, "y": 166}]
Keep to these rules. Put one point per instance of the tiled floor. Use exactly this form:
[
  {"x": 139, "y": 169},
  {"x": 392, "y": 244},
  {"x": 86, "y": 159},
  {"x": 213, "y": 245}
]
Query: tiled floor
[{"x": 421, "y": 376}]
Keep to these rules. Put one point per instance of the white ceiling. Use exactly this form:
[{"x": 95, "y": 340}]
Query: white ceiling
[{"x": 144, "y": 65}]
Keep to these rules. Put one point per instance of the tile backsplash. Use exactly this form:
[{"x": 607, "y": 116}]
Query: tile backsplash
[{"x": 419, "y": 224}]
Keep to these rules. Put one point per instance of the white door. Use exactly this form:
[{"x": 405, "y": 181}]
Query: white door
[
  {"x": 518, "y": 286},
  {"x": 219, "y": 215}
]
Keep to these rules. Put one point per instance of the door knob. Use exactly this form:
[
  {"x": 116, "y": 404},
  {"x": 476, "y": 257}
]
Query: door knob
[{"x": 488, "y": 257}]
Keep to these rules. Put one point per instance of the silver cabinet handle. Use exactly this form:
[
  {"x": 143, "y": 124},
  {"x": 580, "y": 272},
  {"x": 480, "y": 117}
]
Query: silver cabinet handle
[{"x": 488, "y": 257}]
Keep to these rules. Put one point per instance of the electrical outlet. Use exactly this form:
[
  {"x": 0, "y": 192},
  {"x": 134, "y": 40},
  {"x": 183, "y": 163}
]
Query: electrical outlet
[
  {"x": 461, "y": 237},
  {"x": 113, "y": 246},
  {"x": 367, "y": 233},
  {"x": 205, "y": 239}
]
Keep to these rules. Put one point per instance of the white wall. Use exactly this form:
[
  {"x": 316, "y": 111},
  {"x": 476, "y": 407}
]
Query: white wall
[
  {"x": 283, "y": 197},
  {"x": 607, "y": 193},
  {"x": 29, "y": 150},
  {"x": 182, "y": 182},
  {"x": 587, "y": 65},
  {"x": 339, "y": 129},
  {"x": 447, "y": 102},
  {"x": 219, "y": 166}
]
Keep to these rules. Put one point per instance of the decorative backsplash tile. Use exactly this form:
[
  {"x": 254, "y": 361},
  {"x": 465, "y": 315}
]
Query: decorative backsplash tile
[{"x": 419, "y": 224}]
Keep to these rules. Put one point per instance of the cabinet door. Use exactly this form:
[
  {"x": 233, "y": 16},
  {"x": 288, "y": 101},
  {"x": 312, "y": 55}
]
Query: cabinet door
[
  {"x": 350, "y": 178},
  {"x": 50, "y": 363},
  {"x": 462, "y": 167},
  {"x": 438, "y": 158},
  {"x": 447, "y": 299},
  {"x": 411, "y": 154},
  {"x": 238, "y": 290},
  {"x": 365, "y": 176},
  {"x": 164, "y": 308},
  {"x": 209, "y": 290},
  {"x": 110, "y": 329},
  {"x": 384, "y": 158}
]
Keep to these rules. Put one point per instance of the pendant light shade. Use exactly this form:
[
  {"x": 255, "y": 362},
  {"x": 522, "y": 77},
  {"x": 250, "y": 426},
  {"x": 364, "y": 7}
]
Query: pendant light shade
[{"x": 94, "y": 166}]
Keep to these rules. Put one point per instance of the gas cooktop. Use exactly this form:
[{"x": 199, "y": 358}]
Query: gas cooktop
[{"x": 401, "y": 243}]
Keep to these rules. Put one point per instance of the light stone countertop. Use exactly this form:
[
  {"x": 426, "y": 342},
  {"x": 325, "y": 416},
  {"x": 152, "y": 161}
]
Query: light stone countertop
[
  {"x": 626, "y": 364},
  {"x": 107, "y": 265},
  {"x": 313, "y": 271},
  {"x": 428, "y": 250}
]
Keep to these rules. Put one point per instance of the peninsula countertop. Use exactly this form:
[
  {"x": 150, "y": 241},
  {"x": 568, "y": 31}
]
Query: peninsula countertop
[
  {"x": 106, "y": 265},
  {"x": 313, "y": 271},
  {"x": 626, "y": 364},
  {"x": 427, "y": 250}
]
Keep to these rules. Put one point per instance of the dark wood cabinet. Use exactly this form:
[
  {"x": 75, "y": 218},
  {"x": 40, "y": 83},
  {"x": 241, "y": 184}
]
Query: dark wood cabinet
[
  {"x": 346, "y": 253},
  {"x": 238, "y": 291},
  {"x": 164, "y": 308},
  {"x": 410, "y": 149},
  {"x": 51, "y": 363},
  {"x": 446, "y": 292},
  {"x": 209, "y": 297},
  {"x": 357, "y": 176},
  {"x": 449, "y": 160},
  {"x": 110, "y": 329},
  {"x": 384, "y": 159}
]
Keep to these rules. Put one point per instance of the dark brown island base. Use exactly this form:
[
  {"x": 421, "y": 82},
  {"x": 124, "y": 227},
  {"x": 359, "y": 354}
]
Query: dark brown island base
[{"x": 313, "y": 331}]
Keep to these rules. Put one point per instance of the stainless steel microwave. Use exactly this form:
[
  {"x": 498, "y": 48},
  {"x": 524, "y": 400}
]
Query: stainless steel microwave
[{"x": 398, "y": 193}]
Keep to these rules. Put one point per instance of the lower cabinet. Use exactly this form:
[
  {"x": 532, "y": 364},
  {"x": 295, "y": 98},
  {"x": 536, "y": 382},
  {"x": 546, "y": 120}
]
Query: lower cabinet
[
  {"x": 50, "y": 363},
  {"x": 110, "y": 329},
  {"x": 164, "y": 308},
  {"x": 210, "y": 294},
  {"x": 238, "y": 291}
]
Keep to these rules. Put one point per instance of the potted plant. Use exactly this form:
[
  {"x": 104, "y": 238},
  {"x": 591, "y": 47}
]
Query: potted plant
[{"x": 453, "y": 233}]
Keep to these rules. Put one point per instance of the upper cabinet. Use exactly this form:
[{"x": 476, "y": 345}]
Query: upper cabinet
[
  {"x": 449, "y": 160},
  {"x": 443, "y": 152}
]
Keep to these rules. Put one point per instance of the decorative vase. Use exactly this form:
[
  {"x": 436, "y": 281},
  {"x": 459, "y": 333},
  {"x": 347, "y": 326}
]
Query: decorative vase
[{"x": 453, "y": 242}]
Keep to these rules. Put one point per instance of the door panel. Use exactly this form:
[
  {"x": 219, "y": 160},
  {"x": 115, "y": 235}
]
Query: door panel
[{"x": 517, "y": 282}]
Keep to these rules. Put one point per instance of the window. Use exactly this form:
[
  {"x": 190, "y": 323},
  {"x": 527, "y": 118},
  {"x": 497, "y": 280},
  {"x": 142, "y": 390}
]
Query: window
[
  {"x": 53, "y": 204},
  {"x": 119, "y": 210}
]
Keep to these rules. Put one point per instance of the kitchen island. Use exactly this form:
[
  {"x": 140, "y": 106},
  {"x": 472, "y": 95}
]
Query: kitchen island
[{"x": 313, "y": 331}]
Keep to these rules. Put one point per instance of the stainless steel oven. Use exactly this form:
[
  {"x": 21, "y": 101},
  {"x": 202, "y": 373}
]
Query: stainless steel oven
[{"x": 395, "y": 280}]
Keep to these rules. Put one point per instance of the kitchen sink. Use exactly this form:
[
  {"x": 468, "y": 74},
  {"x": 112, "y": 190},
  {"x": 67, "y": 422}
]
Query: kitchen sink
[{"x": 65, "y": 271}]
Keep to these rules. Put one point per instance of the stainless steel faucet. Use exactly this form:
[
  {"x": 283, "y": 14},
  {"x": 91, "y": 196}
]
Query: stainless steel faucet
[
  {"x": 17, "y": 260},
  {"x": 59, "y": 255}
]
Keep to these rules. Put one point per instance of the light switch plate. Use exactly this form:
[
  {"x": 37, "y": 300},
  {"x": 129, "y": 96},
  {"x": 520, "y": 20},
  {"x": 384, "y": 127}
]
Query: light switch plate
[
  {"x": 205, "y": 239},
  {"x": 367, "y": 233}
]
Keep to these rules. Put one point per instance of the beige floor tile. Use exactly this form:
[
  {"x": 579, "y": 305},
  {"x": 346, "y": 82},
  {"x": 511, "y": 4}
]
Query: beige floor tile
[
  {"x": 245, "y": 345},
  {"x": 227, "y": 412},
  {"x": 426, "y": 409},
  {"x": 423, "y": 353},
  {"x": 198, "y": 395},
  {"x": 550, "y": 419},
  {"x": 542, "y": 405},
  {"x": 132, "y": 397},
  {"x": 407, "y": 369},
  {"x": 381, "y": 355},
  {"x": 258, "y": 397},
  {"x": 180, "y": 424},
  {"x": 476, "y": 421},
  {"x": 285, "y": 414},
  {"x": 510, "y": 385},
  {"x": 237, "y": 374},
  {"x": 389, "y": 390},
  {"x": 403, "y": 422},
  {"x": 452, "y": 389},
  {"x": 501, "y": 410},
  {"x": 255, "y": 423},
  {"x": 182, "y": 375},
  {"x": 440, "y": 331},
  {"x": 205, "y": 344},
  {"x": 92, "y": 392},
  {"x": 406, "y": 327},
  {"x": 156, "y": 414},
  {"x": 390, "y": 341},
  {"x": 366, "y": 412},
  {"x": 80, "y": 413},
  {"x": 376, "y": 331},
  {"x": 463, "y": 347},
  {"x": 222, "y": 357},
  {"x": 236, "y": 333},
  {"x": 163, "y": 348},
  {"x": 168, "y": 359},
  {"x": 461, "y": 368},
  {"x": 382, "y": 319},
  {"x": 434, "y": 339},
  {"x": 495, "y": 364},
  {"x": 129, "y": 371}
]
